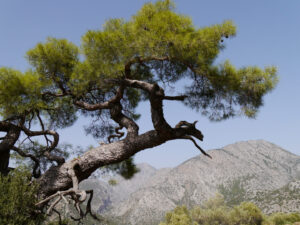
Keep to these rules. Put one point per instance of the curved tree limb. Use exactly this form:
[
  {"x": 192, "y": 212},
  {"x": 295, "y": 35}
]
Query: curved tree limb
[
  {"x": 47, "y": 150},
  {"x": 108, "y": 154},
  {"x": 43, "y": 127},
  {"x": 123, "y": 120},
  {"x": 102, "y": 105},
  {"x": 36, "y": 171},
  {"x": 156, "y": 96}
]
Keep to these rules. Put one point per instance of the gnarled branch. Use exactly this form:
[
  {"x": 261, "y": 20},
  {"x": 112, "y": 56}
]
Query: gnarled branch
[
  {"x": 47, "y": 150},
  {"x": 197, "y": 146},
  {"x": 191, "y": 129}
]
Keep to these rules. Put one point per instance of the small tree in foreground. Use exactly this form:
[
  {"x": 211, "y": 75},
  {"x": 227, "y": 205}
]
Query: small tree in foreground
[{"x": 104, "y": 79}]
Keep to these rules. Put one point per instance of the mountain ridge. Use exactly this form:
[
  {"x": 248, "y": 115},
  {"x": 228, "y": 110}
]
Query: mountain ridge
[{"x": 246, "y": 170}]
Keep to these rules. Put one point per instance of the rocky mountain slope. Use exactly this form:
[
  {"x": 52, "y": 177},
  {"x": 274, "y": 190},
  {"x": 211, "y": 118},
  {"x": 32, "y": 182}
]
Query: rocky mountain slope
[{"x": 252, "y": 170}]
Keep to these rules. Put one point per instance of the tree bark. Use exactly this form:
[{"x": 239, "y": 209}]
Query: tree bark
[
  {"x": 8, "y": 141},
  {"x": 57, "y": 177}
]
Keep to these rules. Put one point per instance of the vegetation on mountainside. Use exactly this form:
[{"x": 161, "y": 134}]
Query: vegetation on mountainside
[{"x": 216, "y": 212}]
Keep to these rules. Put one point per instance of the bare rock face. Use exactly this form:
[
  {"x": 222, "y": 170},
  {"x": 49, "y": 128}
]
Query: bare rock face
[{"x": 255, "y": 171}]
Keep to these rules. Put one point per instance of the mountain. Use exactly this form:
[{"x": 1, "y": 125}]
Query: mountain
[
  {"x": 105, "y": 195},
  {"x": 257, "y": 171}
]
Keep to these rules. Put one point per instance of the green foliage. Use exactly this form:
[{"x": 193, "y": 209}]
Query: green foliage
[
  {"x": 19, "y": 92},
  {"x": 180, "y": 216},
  {"x": 217, "y": 201},
  {"x": 230, "y": 89},
  {"x": 246, "y": 213},
  {"x": 54, "y": 60},
  {"x": 213, "y": 212},
  {"x": 18, "y": 198},
  {"x": 283, "y": 219},
  {"x": 216, "y": 212},
  {"x": 160, "y": 45},
  {"x": 112, "y": 182}
]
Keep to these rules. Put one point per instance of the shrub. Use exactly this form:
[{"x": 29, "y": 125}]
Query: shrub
[
  {"x": 179, "y": 216},
  {"x": 284, "y": 219},
  {"x": 18, "y": 198},
  {"x": 246, "y": 213},
  {"x": 216, "y": 212}
]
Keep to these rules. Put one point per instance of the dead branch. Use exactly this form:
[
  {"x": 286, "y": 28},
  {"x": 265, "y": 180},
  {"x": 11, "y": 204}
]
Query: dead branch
[
  {"x": 186, "y": 124},
  {"x": 175, "y": 98},
  {"x": 197, "y": 146},
  {"x": 190, "y": 129}
]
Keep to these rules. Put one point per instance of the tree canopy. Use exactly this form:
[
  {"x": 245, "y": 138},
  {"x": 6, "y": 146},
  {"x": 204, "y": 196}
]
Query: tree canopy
[{"x": 104, "y": 79}]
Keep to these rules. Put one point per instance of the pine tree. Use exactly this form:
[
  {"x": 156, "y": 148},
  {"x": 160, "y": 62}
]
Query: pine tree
[{"x": 105, "y": 78}]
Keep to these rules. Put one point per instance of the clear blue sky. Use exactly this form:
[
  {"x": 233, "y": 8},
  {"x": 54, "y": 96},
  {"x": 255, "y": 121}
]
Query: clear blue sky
[{"x": 268, "y": 34}]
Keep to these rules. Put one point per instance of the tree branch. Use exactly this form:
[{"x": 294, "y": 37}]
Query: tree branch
[
  {"x": 197, "y": 146},
  {"x": 102, "y": 105},
  {"x": 175, "y": 98},
  {"x": 118, "y": 134},
  {"x": 141, "y": 60},
  {"x": 47, "y": 151},
  {"x": 190, "y": 129},
  {"x": 43, "y": 127},
  {"x": 123, "y": 120},
  {"x": 36, "y": 173},
  {"x": 156, "y": 94}
]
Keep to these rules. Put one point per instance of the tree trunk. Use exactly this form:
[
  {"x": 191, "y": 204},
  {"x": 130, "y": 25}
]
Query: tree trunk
[
  {"x": 8, "y": 141},
  {"x": 57, "y": 177},
  {"x": 4, "y": 161}
]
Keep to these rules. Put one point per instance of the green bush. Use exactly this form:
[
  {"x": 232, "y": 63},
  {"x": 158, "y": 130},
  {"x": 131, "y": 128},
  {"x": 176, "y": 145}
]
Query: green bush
[
  {"x": 18, "y": 198},
  {"x": 180, "y": 216},
  {"x": 283, "y": 219},
  {"x": 246, "y": 213},
  {"x": 216, "y": 212}
]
